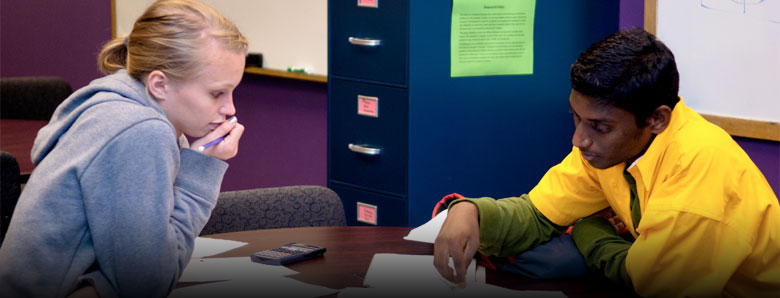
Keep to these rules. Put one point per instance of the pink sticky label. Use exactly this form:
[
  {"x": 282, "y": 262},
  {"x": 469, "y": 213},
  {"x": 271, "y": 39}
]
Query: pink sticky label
[
  {"x": 368, "y": 3},
  {"x": 368, "y": 106},
  {"x": 366, "y": 213}
]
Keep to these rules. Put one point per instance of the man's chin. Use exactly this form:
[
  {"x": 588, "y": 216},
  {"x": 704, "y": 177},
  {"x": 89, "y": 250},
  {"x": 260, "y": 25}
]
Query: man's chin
[{"x": 600, "y": 164}]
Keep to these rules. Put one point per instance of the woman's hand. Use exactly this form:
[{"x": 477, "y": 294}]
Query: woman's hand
[{"x": 227, "y": 148}]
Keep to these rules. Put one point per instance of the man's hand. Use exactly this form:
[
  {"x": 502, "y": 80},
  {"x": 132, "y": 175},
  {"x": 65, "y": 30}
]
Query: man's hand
[
  {"x": 613, "y": 219},
  {"x": 459, "y": 239}
]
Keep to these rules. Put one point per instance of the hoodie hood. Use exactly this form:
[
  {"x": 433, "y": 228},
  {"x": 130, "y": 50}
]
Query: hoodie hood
[{"x": 116, "y": 87}]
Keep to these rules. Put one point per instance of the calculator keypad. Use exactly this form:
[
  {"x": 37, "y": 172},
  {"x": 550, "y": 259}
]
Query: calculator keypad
[{"x": 279, "y": 252}]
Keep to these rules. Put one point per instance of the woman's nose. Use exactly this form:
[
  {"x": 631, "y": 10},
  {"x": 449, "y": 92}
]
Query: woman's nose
[{"x": 227, "y": 107}]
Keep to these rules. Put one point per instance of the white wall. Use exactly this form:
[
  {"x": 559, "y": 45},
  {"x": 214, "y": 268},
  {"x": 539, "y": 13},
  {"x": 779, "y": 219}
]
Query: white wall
[
  {"x": 287, "y": 33},
  {"x": 728, "y": 55}
]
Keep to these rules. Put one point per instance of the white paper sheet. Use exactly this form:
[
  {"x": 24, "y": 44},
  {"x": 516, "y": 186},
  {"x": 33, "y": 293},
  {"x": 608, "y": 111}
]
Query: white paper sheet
[
  {"x": 258, "y": 287},
  {"x": 475, "y": 290},
  {"x": 398, "y": 270},
  {"x": 217, "y": 269},
  {"x": 205, "y": 247},
  {"x": 429, "y": 230},
  {"x": 396, "y": 275}
]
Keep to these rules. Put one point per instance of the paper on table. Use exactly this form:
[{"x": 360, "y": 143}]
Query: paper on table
[
  {"x": 209, "y": 246},
  {"x": 394, "y": 270},
  {"x": 472, "y": 290},
  {"x": 486, "y": 290},
  {"x": 429, "y": 230},
  {"x": 216, "y": 269},
  {"x": 257, "y": 287},
  {"x": 396, "y": 275}
]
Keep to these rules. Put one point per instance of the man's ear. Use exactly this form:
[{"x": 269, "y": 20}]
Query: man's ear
[
  {"x": 660, "y": 119},
  {"x": 157, "y": 84}
]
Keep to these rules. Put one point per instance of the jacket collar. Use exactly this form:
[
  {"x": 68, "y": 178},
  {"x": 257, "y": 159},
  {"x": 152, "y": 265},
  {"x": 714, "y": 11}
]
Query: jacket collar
[{"x": 648, "y": 163}]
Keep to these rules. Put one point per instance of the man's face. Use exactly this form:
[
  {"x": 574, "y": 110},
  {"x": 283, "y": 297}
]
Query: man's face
[{"x": 606, "y": 135}]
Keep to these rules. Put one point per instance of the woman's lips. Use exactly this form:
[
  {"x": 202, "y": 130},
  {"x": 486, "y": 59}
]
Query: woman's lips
[{"x": 214, "y": 125}]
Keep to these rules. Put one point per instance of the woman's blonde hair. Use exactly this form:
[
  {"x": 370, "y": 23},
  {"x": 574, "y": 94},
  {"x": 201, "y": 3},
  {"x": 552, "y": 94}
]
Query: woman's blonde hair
[{"x": 167, "y": 37}]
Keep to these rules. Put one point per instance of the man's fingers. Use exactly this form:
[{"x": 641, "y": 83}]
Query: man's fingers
[
  {"x": 461, "y": 264},
  {"x": 441, "y": 260},
  {"x": 469, "y": 249}
]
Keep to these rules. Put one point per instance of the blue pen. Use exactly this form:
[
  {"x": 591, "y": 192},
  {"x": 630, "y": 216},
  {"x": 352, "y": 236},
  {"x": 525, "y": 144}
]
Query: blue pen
[
  {"x": 209, "y": 144},
  {"x": 217, "y": 140}
]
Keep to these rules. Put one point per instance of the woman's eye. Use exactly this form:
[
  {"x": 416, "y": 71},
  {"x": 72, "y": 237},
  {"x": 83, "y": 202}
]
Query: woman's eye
[{"x": 217, "y": 94}]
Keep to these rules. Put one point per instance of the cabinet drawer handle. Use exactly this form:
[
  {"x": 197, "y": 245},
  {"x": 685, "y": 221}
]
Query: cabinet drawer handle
[
  {"x": 365, "y": 42},
  {"x": 364, "y": 149}
]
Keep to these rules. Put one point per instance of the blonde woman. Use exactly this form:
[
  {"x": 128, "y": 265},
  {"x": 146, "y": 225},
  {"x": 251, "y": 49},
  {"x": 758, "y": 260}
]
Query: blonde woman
[{"x": 118, "y": 196}]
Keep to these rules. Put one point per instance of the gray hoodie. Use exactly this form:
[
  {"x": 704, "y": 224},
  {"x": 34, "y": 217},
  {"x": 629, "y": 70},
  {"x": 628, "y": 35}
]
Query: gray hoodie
[{"x": 113, "y": 200}]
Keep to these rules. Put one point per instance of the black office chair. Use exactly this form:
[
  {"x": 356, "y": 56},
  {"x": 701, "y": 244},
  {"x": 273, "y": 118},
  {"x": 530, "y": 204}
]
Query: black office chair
[
  {"x": 32, "y": 98},
  {"x": 10, "y": 188},
  {"x": 275, "y": 207}
]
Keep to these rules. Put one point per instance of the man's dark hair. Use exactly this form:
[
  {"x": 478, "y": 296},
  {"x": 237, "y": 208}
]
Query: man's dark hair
[{"x": 629, "y": 69}]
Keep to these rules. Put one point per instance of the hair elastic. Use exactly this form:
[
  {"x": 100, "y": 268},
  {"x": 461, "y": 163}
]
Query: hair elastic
[{"x": 126, "y": 39}]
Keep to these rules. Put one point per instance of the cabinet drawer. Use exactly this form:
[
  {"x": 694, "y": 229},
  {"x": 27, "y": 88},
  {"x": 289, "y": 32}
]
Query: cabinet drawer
[
  {"x": 388, "y": 211},
  {"x": 387, "y": 24},
  {"x": 385, "y": 169}
]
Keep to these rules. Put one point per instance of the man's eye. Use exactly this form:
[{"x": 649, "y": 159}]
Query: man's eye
[
  {"x": 601, "y": 128},
  {"x": 217, "y": 94},
  {"x": 576, "y": 117}
]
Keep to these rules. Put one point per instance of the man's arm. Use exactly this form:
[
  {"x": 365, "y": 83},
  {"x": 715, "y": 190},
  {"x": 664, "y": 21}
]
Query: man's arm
[
  {"x": 603, "y": 249},
  {"x": 512, "y": 225},
  {"x": 496, "y": 227},
  {"x": 459, "y": 239}
]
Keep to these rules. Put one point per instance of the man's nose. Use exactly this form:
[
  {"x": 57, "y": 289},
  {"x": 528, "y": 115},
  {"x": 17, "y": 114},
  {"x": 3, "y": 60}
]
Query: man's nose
[{"x": 580, "y": 139}]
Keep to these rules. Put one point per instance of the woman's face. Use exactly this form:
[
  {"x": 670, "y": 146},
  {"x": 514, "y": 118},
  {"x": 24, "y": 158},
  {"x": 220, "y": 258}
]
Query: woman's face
[{"x": 198, "y": 105}]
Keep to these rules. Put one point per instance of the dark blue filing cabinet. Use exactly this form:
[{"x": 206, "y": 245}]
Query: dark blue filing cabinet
[{"x": 432, "y": 134}]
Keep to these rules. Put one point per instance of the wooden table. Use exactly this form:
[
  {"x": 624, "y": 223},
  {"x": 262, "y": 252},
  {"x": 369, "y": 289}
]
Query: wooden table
[
  {"x": 17, "y": 137},
  {"x": 351, "y": 248}
]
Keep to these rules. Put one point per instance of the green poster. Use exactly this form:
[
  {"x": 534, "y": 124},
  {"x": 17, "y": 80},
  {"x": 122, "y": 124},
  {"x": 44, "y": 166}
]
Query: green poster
[{"x": 492, "y": 37}]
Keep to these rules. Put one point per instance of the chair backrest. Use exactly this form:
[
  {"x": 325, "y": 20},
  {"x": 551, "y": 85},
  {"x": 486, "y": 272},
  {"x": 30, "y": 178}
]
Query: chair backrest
[
  {"x": 275, "y": 207},
  {"x": 10, "y": 189},
  {"x": 32, "y": 98}
]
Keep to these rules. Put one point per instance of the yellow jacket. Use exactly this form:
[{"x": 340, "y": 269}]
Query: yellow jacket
[{"x": 710, "y": 223}]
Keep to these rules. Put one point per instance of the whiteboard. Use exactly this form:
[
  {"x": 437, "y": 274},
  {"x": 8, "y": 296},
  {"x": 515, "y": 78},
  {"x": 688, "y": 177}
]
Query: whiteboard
[
  {"x": 727, "y": 53},
  {"x": 287, "y": 33}
]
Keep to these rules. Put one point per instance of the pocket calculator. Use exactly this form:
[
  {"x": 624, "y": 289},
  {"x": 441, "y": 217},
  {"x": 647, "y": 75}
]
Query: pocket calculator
[{"x": 288, "y": 253}]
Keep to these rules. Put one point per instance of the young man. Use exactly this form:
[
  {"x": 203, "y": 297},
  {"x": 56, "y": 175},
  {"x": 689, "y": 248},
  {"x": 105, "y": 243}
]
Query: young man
[{"x": 705, "y": 222}]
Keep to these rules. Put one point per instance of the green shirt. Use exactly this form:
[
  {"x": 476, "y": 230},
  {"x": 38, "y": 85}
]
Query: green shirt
[{"x": 512, "y": 225}]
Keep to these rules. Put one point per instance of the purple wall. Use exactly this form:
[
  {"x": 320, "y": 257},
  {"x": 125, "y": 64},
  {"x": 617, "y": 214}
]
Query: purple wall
[
  {"x": 285, "y": 140},
  {"x": 632, "y": 13},
  {"x": 58, "y": 38},
  {"x": 766, "y": 156}
]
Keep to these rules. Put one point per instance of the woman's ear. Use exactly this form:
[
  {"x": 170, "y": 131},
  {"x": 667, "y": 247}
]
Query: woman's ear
[
  {"x": 157, "y": 84},
  {"x": 660, "y": 119}
]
